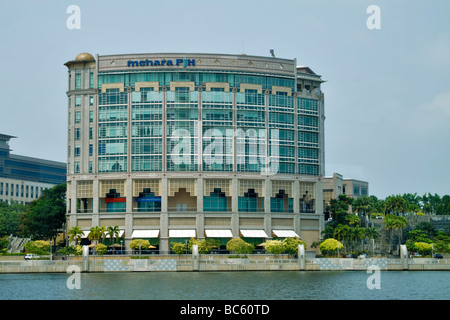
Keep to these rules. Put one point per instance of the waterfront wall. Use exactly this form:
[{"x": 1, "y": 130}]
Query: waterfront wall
[{"x": 207, "y": 263}]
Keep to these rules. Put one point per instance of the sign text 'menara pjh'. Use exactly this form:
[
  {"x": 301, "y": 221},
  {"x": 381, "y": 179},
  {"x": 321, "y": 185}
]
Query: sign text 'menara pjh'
[{"x": 177, "y": 62}]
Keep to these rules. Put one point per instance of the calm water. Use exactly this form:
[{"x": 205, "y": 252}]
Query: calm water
[{"x": 286, "y": 285}]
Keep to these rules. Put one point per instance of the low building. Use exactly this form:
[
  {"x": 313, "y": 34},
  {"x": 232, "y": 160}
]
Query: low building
[
  {"x": 337, "y": 185},
  {"x": 24, "y": 178}
]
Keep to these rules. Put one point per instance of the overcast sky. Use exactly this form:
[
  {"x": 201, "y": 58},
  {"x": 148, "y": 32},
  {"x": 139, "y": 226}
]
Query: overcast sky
[{"x": 387, "y": 95}]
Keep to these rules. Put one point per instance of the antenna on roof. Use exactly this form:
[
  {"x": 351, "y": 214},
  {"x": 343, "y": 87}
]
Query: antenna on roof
[{"x": 272, "y": 52}]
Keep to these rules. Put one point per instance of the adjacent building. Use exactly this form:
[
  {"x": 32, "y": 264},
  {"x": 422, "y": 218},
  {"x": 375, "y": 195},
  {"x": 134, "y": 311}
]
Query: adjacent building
[
  {"x": 23, "y": 178},
  {"x": 179, "y": 145},
  {"x": 337, "y": 185}
]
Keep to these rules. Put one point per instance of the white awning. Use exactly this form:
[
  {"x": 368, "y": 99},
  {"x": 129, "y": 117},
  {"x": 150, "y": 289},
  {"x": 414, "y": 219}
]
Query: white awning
[
  {"x": 254, "y": 234},
  {"x": 181, "y": 233},
  {"x": 121, "y": 232},
  {"x": 86, "y": 234},
  {"x": 145, "y": 234},
  {"x": 219, "y": 233},
  {"x": 285, "y": 233}
]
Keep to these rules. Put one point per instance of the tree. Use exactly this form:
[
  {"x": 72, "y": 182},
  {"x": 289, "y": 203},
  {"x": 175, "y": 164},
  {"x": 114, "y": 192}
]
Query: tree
[
  {"x": 239, "y": 246},
  {"x": 39, "y": 247},
  {"x": 430, "y": 203},
  {"x": 95, "y": 234},
  {"x": 113, "y": 233},
  {"x": 372, "y": 234},
  {"x": 423, "y": 247},
  {"x": 139, "y": 244},
  {"x": 330, "y": 246},
  {"x": 395, "y": 224},
  {"x": 291, "y": 244},
  {"x": 275, "y": 246},
  {"x": 178, "y": 247},
  {"x": 412, "y": 202},
  {"x": 204, "y": 246},
  {"x": 444, "y": 207},
  {"x": 75, "y": 233},
  {"x": 101, "y": 249},
  {"x": 363, "y": 206},
  {"x": 46, "y": 216},
  {"x": 339, "y": 209},
  {"x": 395, "y": 205},
  {"x": 10, "y": 216}
]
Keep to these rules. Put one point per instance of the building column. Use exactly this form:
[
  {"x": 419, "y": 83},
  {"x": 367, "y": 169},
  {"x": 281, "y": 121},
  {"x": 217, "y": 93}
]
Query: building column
[
  {"x": 234, "y": 195},
  {"x": 95, "y": 202},
  {"x": 200, "y": 216},
  {"x": 267, "y": 195},
  {"x": 129, "y": 210},
  {"x": 164, "y": 218},
  {"x": 296, "y": 196}
]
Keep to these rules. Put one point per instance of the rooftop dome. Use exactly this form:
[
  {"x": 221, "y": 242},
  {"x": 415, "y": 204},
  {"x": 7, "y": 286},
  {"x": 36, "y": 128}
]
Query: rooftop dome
[{"x": 84, "y": 56}]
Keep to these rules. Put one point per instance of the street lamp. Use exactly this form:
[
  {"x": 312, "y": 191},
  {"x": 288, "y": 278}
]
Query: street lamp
[{"x": 51, "y": 250}]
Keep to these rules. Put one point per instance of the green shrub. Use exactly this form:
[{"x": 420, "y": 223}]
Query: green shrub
[
  {"x": 239, "y": 246},
  {"x": 330, "y": 246},
  {"x": 275, "y": 247},
  {"x": 178, "y": 247},
  {"x": 423, "y": 247},
  {"x": 39, "y": 247},
  {"x": 101, "y": 249},
  {"x": 204, "y": 246},
  {"x": 141, "y": 244},
  {"x": 69, "y": 250},
  {"x": 291, "y": 244}
]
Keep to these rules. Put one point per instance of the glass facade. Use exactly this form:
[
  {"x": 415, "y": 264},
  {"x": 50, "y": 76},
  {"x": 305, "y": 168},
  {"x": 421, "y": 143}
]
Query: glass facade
[{"x": 189, "y": 129}]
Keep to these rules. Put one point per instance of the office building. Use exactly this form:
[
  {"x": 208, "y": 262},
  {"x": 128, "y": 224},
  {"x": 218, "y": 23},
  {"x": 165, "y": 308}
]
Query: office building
[
  {"x": 173, "y": 146},
  {"x": 23, "y": 178}
]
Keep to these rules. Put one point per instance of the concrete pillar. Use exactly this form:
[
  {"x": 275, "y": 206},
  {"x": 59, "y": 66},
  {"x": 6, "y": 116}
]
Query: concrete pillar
[
  {"x": 195, "y": 258},
  {"x": 164, "y": 218},
  {"x": 129, "y": 211},
  {"x": 267, "y": 195},
  {"x": 234, "y": 194},
  {"x": 95, "y": 202},
  {"x": 301, "y": 256},
  {"x": 296, "y": 196}
]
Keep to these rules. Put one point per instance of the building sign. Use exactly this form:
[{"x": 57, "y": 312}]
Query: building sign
[
  {"x": 148, "y": 199},
  {"x": 161, "y": 63}
]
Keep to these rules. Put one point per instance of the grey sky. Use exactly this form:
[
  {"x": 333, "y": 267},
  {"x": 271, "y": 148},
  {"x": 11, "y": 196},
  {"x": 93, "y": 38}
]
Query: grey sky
[{"x": 387, "y": 95}]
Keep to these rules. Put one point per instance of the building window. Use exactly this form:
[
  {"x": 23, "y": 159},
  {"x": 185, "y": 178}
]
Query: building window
[
  {"x": 91, "y": 80},
  {"x": 77, "y": 151},
  {"x": 77, "y": 101},
  {"x": 77, "y": 81},
  {"x": 76, "y": 168},
  {"x": 77, "y": 134},
  {"x": 217, "y": 201},
  {"x": 77, "y": 116}
]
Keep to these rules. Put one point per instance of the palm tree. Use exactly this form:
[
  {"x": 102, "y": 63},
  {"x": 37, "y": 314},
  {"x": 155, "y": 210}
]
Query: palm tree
[
  {"x": 372, "y": 234},
  {"x": 362, "y": 205},
  {"x": 95, "y": 234},
  {"x": 101, "y": 233},
  {"x": 113, "y": 233},
  {"x": 395, "y": 223},
  {"x": 75, "y": 233}
]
